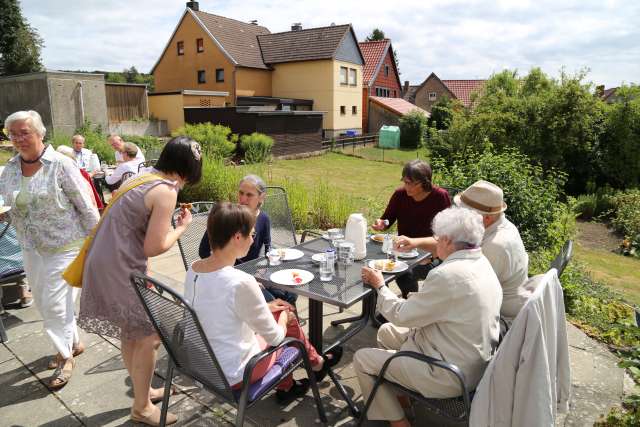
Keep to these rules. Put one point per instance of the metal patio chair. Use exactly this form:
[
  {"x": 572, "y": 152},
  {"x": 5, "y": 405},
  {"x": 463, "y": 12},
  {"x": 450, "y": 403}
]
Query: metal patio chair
[
  {"x": 191, "y": 355},
  {"x": 189, "y": 242},
  {"x": 11, "y": 267},
  {"x": 563, "y": 258},
  {"x": 276, "y": 206},
  {"x": 147, "y": 164}
]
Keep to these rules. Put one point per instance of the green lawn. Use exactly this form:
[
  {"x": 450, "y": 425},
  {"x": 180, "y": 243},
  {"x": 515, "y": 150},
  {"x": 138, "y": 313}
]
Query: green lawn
[
  {"x": 387, "y": 155},
  {"x": 620, "y": 272}
]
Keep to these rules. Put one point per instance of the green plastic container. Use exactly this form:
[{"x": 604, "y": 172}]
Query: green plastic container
[{"x": 389, "y": 137}]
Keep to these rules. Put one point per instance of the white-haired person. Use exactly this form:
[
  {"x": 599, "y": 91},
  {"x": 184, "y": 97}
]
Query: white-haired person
[
  {"x": 85, "y": 159},
  {"x": 128, "y": 166},
  {"x": 117, "y": 144},
  {"x": 52, "y": 214},
  {"x": 454, "y": 317},
  {"x": 502, "y": 244}
]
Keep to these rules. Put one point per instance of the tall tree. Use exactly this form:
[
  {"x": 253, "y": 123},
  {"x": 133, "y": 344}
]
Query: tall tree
[
  {"x": 20, "y": 43},
  {"x": 376, "y": 35}
]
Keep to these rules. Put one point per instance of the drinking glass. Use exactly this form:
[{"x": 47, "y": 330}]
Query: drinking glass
[
  {"x": 274, "y": 257},
  {"x": 326, "y": 270}
]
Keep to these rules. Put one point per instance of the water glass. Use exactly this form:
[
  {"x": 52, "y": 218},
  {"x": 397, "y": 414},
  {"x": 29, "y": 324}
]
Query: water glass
[
  {"x": 387, "y": 244},
  {"x": 274, "y": 257},
  {"x": 326, "y": 269},
  {"x": 346, "y": 252}
]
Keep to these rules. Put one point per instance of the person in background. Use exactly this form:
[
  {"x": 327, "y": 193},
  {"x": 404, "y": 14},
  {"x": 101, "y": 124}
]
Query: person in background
[
  {"x": 414, "y": 205},
  {"x": 118, "y": 145},
  {"x": 52, "y": 213},
  {"x": 135, "y": 228},
  {"x": 455, "y": 317},
  {"x": 69, "y": 152},
  {"x": 85, "y": 159},
  {"x": 251, "y": 193},
  {"x": 129, "y": 165},
  {"x": 234, "y": 315},
  {"x": 502, "y": 244}
]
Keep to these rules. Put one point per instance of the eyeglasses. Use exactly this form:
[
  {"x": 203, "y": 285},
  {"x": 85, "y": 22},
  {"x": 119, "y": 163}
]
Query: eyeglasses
[
  {"x": 253, "y": 234},
  {"x": 20, "y": 136}
]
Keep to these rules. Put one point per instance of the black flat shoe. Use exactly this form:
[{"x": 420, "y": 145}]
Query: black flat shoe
[
  {"x": 329, "y": 362},
  {"x": 299, "y": 389}
]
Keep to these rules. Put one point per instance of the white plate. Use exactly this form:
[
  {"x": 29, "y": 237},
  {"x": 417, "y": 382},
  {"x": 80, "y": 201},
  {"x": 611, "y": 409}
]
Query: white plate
[
  {"x": 325, "y": 236},
  {"x": 292, "y": 254},
  {"x": 399, "y": 267},
  {"x": 318, "y": 258},
  {"x": 376, "y": 236},
  {"x": 4, "y": 209},
  {"x": 406, "y": 255},
  {"x": 286, "y": 277}
]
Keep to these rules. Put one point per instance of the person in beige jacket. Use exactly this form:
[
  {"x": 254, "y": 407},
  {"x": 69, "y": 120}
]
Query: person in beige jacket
[
  {"x": 453, "y": 317},
  {"x": 501, "y": 244}
]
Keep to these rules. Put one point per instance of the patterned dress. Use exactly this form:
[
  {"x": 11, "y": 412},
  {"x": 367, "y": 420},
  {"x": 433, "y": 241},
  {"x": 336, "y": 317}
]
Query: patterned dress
[{"x": 109, "y": 304}]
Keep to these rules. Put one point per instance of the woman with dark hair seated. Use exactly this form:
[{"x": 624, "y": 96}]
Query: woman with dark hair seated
[
  {"x": 251, "y": 193},
  {"x": 235, "y": 317}
]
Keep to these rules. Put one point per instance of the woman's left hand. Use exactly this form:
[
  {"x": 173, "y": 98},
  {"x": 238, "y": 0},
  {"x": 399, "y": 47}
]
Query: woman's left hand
[
  {"x": 372, "y": 277},
  {"x": 184, "y": 218},
  {"x": 280, "y": 305}
]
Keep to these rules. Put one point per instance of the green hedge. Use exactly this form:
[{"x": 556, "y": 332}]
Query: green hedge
[
  {"x": 216, "y": 140},
  {"x": 257, "y": 147}
]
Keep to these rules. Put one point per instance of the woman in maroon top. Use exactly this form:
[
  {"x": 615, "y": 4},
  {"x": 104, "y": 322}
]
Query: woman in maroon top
[{"x": 414, "y": 205}]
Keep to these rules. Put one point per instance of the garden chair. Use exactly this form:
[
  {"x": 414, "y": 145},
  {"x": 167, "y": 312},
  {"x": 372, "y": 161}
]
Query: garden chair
[
  {"x": 191, "y": 355},
  {"x": 11, "y": 268},
  {"x": 126, "y": 176},
  {"x": 189, "y": 242},
  {"x": 147, "y": 164},
  {"x": 454, "y": 411},
  {"x": 563, "y": 258},
  {"x": 283, "y": 233}
]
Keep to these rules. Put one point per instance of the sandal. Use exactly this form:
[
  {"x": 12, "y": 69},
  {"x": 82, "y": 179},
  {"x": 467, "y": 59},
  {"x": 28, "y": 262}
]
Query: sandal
[
  {"x": 329, "y": 362},
  {"x": 153, "y": 419},
  {"x": 78, "y": 349},
  {"x": 62, "y": 374}
]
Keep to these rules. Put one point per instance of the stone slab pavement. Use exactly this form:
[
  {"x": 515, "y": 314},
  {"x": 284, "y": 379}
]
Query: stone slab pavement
[{"x": 100, "y": 394}]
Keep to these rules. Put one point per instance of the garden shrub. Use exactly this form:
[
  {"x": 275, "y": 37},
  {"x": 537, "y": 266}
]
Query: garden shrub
[
  {"x": 585, "y": 206},
  {"x": 532, "y": 197},
  {"x": 412, "y": 127},
  {"x": 626, "y": 212},
  {"x": 257, "y": 147},
  {"x": 151, "y": 146},
  {"x": 216, "y": 140}
]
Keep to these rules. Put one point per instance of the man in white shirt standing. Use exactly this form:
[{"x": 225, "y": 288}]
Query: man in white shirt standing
[
  {"x": 502, "y": 244},
  {"x": 84, "y": 157},
  {"x": 117, "y": 144}
]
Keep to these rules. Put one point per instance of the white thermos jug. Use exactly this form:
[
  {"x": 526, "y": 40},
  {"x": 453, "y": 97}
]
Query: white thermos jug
[{"x": 356, "y": 233}]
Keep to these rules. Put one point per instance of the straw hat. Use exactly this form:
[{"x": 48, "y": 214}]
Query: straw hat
[{"x": 483, "y": 197}]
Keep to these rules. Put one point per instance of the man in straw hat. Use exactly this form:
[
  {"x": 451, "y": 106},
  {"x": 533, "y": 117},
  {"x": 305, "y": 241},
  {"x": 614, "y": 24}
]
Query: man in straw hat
[{"x": 502, "y": 244}]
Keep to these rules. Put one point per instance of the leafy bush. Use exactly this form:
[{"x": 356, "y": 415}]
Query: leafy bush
[
  {"x": 531, "y": 196},
  {"x": 585, "y": 206},
  {"x": 626, "y": 212},
  {"x": 151, "y": 146},
  {"x": 216, "y": 140},
  {"x": 219, "y": 182},
  {"x": 256, "y": 147},
  {"x": 412, "y": 127}
]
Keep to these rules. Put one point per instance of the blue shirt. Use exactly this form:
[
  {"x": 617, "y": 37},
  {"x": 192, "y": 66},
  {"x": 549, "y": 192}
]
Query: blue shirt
[{"x": 263, "y": 238}]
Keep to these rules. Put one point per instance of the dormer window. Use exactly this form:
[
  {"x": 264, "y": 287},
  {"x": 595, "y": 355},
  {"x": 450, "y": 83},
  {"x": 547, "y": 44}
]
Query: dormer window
[
  {"x": 199, "y": 45},
  {"x": 180, "y": 47}
]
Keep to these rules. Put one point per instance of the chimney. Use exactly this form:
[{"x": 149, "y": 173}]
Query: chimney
[
  {"x": 405, "y": 88},
  {"x": 296, "y": 26},
  {"x": 254, "y": 22},
  {"x": 193, "y": 5}
]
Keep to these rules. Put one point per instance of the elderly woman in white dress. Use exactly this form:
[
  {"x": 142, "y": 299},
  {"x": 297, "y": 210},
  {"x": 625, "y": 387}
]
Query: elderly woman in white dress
[
  {"x": 454, "y": 317},
  {"x": 52, "y": 213}
]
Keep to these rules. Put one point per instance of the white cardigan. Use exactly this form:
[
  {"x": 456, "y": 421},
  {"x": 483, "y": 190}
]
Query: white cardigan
[{"x": 231, "y": 310}]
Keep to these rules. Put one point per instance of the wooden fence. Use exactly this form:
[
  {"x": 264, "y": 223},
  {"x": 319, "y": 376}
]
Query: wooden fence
[
  {"x": 126, "y": 102},
  {"x": 352, "y": 141}
]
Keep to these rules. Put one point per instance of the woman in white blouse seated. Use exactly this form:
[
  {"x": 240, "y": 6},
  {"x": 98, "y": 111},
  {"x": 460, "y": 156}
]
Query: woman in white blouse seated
[
  {"x": 130, "y": 164},
  {"x": 454, "y": 317},
  {"x": 234, "y": 315}
]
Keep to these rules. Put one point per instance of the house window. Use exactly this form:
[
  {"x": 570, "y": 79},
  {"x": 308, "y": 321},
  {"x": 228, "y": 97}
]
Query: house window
[
  {"x": 353, "y": 77},
  {"x": 354, "y": 110},
  {"x": 201, "y": 77},
  {"x": 432, "y": 96},
  {"x": 383, "y": 92},
  {"x": 343, "y": 75},
  {"x": 386, "y": 70},
  {"x": 199, "y": 45},
  {"x": 219, "y": 75},
  {"x": 180, "y": 48},
  {"x": 343, "y": 110}
]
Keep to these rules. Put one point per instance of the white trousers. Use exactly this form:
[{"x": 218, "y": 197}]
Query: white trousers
[{"x": 53, "y": 296}]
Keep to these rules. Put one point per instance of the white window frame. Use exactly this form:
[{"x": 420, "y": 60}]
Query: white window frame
[
  {"x": 433, "y": 96},
  {"x": 344, "y": 73},
  {"x": 353, "y": 77}
]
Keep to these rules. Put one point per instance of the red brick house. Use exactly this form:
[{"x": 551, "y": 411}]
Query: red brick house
[
  {"x": 432, "y": 89},
  {"x": 379, "y": 76}
]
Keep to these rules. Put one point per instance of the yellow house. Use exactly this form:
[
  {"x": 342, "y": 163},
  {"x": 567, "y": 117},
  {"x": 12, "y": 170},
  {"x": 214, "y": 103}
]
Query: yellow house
[{"x": 211, "y": 60}]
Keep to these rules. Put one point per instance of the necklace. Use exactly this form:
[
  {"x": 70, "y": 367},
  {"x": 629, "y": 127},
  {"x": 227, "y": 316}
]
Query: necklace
[{"x": 30, "y": 162}]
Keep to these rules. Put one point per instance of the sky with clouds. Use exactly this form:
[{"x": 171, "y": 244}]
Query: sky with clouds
[{"x": 455, "y": 39}]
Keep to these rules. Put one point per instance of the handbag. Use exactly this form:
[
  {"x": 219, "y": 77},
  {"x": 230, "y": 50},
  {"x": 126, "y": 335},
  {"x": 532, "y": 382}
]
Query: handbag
[{"x": 73, "y": 273}]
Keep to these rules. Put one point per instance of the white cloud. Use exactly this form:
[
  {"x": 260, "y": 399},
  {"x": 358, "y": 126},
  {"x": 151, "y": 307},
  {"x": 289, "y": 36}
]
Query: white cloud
[{"x": 455, "y": 39}]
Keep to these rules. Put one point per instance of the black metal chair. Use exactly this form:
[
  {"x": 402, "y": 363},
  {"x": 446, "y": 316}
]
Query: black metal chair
[
  {"x": 126, "y": 176},
  {"x": 563, "y": 258},
  {"x": 189, "y": 242},
  {"x": 191, "y": 355},
  {"x": 147, "y": 164},
  {"x": 276, "y": 206},
  {"x": 450, "y": 411},
  {"x": 11, "y": 268}
]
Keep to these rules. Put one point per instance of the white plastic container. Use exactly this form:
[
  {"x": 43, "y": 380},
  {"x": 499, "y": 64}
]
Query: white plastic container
[{"x": 356, "y": 233}]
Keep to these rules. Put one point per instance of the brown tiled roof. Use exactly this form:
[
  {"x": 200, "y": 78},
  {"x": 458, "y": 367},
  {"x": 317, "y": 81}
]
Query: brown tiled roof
[
  {"x": 410, "y": 94},
  {"x": 462, "y": 89},
  {"x": 238, "y": 39},
  {"x": 608, "y": 92},
  {"x": 397, "y": 105},
  {"x": 302, "y": 45},
  {"x": 373, "y": 52}
]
